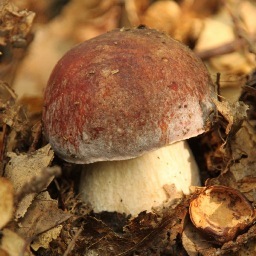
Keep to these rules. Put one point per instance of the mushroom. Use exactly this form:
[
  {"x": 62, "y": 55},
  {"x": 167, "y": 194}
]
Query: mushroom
[{"x": 123, "y": 104}]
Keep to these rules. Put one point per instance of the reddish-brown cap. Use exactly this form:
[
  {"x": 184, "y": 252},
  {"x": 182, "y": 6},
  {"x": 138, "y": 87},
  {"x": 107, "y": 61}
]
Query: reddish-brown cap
[{"x": 124, "y": 93}]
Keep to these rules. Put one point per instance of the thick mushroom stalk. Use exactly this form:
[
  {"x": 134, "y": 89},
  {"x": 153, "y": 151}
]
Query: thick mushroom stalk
[
  {"x": 139, "y": 184},
  {"x": 120, "y": 96}
]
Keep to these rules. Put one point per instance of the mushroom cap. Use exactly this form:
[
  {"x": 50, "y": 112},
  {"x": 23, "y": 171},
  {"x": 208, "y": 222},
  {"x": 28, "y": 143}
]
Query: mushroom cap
[{"x": 124, "y": 93}]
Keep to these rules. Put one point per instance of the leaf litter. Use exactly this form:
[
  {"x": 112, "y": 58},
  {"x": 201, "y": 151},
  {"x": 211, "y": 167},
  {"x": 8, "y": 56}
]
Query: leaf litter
[{"x": 41, "y": 212}]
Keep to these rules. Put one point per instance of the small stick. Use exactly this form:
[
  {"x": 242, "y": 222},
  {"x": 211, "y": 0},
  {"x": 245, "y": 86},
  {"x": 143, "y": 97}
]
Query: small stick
[
  {"x": 230, "y": 47},
  {"x": 72, "y": 243}
]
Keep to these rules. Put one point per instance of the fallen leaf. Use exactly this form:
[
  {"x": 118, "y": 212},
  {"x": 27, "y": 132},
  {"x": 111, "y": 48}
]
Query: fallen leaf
[
  {"x": 6, "y": 201},
  {"x": 13, "y": 245},
  {"x": 22, "y": 168},
  {"x": 44, "y": 239},
  {"x": 234, "y": 113},
  {"x": 41, "y": 216},
  {"x": 194, "y": 242}
]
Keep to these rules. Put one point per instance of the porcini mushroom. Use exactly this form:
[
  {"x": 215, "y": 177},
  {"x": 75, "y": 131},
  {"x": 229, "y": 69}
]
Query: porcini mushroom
[{"x": 117, "y": 102}]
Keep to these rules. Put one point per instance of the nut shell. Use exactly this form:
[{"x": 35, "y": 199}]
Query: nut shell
[
  {"x": 124, "y": 93},
  {"x": 221, "y": 213}
]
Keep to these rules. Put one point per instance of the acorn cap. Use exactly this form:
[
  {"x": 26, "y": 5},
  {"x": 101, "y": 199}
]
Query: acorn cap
[
  {"x": 124, "y": 93},
  {"x": 221, "y": 213}
]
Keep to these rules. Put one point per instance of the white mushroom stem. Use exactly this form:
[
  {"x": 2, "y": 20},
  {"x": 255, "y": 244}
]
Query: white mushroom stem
[{"x": 132, "y": 186}]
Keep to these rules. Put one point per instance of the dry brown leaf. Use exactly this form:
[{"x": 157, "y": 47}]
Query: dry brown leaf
[
  {"x": 15, "y": 36},
  {"x": 44, "y": 239},
  {"x": 7, "y": 100},
  {"x": 241, "y": 171},
  {"x": 248, "y": 249},
  {"x": 6, "y": 201},
  {"x": 13, "y": 245},
  {"x": 241, "y": 143},
  {"x": 243, "y": 149},
  {"x": 16, "y": 24},
  {"x": 240, "y": 244},
  {"x": 234, "y": 113},
  {"x": 41, "y": 216},
  {"x": 193, "y": 241},
  {"x": 22, "y": 168},
  {"x": 13, "y": 123}
]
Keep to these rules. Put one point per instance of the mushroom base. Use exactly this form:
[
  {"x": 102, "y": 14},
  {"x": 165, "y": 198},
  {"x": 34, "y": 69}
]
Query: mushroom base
[{"x": 135, "y": 185}]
